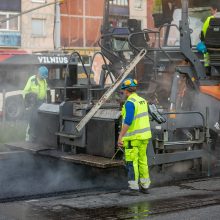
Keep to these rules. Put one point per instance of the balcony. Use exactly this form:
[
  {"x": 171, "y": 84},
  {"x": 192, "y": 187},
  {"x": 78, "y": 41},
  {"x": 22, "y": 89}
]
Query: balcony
[
  {"x": 117, "y": 10},
  {"x": 10, "y": 39}
]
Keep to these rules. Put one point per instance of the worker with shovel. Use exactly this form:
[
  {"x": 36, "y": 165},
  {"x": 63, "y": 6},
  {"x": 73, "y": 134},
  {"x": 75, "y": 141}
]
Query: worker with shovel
[{"x": 134, "y": 137}]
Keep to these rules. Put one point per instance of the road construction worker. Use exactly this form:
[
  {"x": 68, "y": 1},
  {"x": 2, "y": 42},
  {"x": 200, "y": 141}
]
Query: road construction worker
[
  {"x": 215, "y": 13},
  {"x": 134, "y": 137},
  {"x": 35, "y": 93}
]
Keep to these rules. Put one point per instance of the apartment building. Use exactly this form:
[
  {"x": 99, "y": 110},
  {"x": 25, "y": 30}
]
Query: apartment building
[
  {"x": 119, "y": 12},
  {"x": 81, "y": 21},
  {"x": 37, "y": 27},
  {"x": 10, "y": 30},
  {"x": 138, "y": 10},
  {"x": 33, "y": 31}
]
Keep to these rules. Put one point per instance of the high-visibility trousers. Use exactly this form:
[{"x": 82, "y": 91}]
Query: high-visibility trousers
[
  {"x": 136, "y": 163},
  {"x": 206, "y": 60}
]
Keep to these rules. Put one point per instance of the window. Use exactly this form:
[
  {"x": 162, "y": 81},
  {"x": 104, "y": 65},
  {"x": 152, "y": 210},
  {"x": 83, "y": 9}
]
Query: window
[
  {"x": 138, "y": 4},
  {"x": 3, "y": 26},
  {"x": 39, "y": 1},
  {"x": 9, "y": 25},
  {"x": 13, "y": 23},
  {"x": 120, "y": 2},
  {"x": 38, "y": 27}
]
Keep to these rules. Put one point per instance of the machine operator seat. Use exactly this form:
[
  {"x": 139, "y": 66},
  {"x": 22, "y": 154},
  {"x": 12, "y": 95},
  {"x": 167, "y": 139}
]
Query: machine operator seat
[
  {"x": 138, "y": 38},
  {"x": 212, "y": 42}
]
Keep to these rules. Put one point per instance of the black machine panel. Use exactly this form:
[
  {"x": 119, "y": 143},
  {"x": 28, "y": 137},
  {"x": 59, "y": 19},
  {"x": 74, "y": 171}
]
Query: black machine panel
[{"x": 103, "y": 142}]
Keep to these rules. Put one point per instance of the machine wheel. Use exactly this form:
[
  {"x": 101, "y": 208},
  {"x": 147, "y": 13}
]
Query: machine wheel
[{"x": 14, "y": 107}]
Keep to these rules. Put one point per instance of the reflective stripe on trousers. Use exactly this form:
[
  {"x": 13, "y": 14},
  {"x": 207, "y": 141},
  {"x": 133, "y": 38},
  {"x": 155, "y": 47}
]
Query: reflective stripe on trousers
[
  {"x": 145, "y": 182},
  {"x": 132, "y": 184},
  {"x": 206, "y": 59}
]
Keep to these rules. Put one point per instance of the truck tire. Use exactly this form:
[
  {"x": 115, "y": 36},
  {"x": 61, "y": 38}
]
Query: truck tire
[{"x": 14, "y": 107}]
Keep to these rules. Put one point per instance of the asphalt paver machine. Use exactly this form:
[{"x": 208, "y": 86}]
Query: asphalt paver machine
[
  {"x": 83, "y": 126},
  {"x": 174, "y": 78}
]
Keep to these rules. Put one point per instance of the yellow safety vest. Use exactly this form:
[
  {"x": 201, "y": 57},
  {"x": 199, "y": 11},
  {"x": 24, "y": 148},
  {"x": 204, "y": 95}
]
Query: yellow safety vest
[
  {"x": 204, "y": 30},
  {"x": 36, "y": 86},
  {"x": 140, "y": 126},
  {"x": 206, "y": 25}
]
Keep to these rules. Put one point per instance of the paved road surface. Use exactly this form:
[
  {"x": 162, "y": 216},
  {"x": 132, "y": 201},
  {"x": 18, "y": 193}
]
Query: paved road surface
[{"x": 186, "y": 200}]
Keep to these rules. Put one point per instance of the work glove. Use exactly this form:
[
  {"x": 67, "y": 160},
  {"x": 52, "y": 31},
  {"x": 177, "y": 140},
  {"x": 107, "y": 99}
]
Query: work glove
[{"x": 201, "y": 47}]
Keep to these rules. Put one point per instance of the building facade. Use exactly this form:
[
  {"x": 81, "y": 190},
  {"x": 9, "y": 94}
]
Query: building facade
[
  {"x": 37, "y": 27},
  {"x": 119, "y": 13},
  {"x": 33, "y": 31},
  {"x": 138, "y": 10},
  {"x": 80, "y": 23},
  {"x": 10, "y": 29}
]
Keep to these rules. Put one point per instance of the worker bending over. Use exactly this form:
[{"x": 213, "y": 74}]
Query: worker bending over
[
  {"x": 134, "y": 137},
  {"x": 35, "y": 93}
]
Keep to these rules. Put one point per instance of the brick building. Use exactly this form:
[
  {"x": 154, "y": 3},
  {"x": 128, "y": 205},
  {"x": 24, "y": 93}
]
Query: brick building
[
  {"x": 150, "y": 6},
  {"x": 32, "y": 31},
  {"x": 81, "y": 20},
  {"x": 80, "y": 23}
]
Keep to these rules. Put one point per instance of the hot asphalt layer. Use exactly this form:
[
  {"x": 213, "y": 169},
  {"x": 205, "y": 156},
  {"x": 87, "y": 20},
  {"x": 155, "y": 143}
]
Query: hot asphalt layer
[{"x": 185, "y": 200}]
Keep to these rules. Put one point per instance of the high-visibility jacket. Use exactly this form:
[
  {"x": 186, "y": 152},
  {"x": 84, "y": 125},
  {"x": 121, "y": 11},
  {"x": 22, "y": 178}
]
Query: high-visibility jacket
[
  {"x": 37, "y": 86},
  {"x": 206, "y": 25},
  {"x": 140, "y": 126}
]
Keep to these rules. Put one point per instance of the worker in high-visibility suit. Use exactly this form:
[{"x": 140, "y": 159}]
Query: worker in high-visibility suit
[
  {"x": 35, "y": 93},
  {"x": 134, "y": 137},
  {"x": 215, "y": 13}
]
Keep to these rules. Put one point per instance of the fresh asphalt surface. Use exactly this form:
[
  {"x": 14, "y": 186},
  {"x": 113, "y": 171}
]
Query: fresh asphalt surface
[{"x": 195, "y": 199}]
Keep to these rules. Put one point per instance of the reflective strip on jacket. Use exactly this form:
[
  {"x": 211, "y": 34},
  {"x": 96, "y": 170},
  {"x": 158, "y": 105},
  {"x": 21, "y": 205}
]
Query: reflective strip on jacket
[
  {"x": 140, "y": 126},
  {"x": 36, "y": 86}
]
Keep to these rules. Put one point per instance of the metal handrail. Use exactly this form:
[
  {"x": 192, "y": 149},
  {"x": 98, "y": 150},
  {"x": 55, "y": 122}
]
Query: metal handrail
[
  {"x": 188, "y": 113},
  {"x": 67, "y": 69}
]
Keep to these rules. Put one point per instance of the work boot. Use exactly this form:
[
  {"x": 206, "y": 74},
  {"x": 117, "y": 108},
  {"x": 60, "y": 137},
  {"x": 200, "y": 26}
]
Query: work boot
[
  {"x": 129, "y": 192},
  {"x": 144, "y": 190}
]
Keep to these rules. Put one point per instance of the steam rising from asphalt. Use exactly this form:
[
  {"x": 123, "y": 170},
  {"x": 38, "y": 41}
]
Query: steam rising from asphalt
[
  {"x": 15, "y": 78},
  {"x": 27, "y": 174}
]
